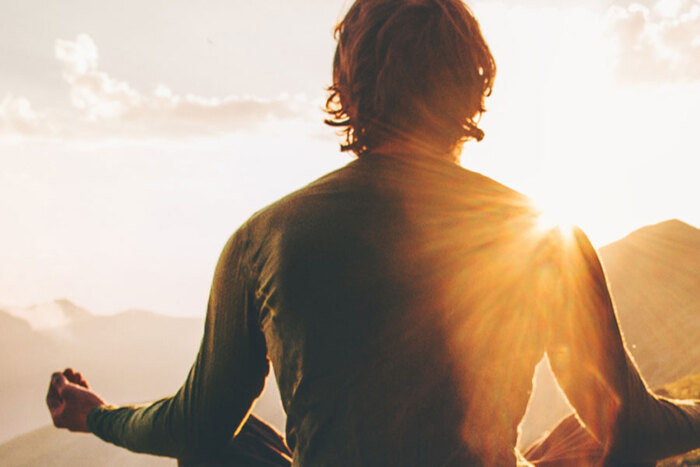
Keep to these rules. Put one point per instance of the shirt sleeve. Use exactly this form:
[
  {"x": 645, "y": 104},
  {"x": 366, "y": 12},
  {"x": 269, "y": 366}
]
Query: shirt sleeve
[
  {"x": 227, "y": 376},
  {"x": 588, "y": 356}
]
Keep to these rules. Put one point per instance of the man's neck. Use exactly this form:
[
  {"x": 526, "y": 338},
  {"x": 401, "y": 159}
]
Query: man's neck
[{"x": 394, "y": 146}]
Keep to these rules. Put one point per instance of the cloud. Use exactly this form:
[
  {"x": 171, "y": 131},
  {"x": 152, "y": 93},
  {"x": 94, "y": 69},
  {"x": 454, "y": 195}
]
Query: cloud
[
  {"x": 660, "y": 42},
  {"x": 17, "y": 116},
  {"x": 94, "y": 92},
  {"x": 105, "y": 107}
]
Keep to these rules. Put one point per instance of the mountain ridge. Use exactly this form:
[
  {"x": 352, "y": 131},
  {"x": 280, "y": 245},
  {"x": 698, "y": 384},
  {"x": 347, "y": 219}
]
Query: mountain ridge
[{"x": 129, "y": 357}]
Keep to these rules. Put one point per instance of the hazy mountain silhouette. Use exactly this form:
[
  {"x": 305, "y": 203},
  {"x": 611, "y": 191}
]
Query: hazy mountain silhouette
[
  {"x": 26, "y": 357},
  {"x": 131, "y": 357},
  {"x": 49, "y": 447},
  {"x": 136, "y": 356},
  {"x": 654, "y": 275},
  {"x": 50, "y": 315}
]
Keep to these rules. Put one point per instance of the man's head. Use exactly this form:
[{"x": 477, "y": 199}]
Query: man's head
[{"x": 409, "y": 70}]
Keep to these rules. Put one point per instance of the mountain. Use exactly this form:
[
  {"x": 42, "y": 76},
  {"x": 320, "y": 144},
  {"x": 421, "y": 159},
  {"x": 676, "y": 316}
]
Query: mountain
[
  {"x": 131, "y": 357},
  {"x": 49, "y": 447},
  {"x": 654, "y": 277},
  {"x": 26, "y": 358},
  {"x": 654, "y": 274},
  {"x": 50, "y": 315}
]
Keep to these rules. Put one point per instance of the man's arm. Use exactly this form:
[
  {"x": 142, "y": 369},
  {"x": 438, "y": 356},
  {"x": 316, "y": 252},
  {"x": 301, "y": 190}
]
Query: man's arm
[
  {"x": 227, "y": 376},
  {"x": 588, "y": 357}
]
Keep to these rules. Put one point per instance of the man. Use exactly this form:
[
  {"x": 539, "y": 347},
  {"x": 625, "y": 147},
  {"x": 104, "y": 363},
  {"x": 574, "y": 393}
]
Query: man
[{"x": 402, "y": 300}]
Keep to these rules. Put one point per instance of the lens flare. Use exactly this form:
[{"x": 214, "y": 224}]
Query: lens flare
[{"x": 554, "y": 214}]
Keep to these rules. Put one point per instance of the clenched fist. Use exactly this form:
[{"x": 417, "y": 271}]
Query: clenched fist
[{"x": 70, "y": 400}]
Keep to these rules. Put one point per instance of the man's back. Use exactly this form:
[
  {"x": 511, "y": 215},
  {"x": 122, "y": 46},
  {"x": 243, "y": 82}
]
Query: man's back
[{"x": 395, "y": 301}]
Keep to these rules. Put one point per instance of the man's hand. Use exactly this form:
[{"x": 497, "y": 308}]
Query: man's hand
[{"x": 70, "y": 400}]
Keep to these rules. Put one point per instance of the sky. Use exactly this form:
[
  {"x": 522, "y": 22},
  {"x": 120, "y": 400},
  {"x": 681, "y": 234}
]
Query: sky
[{"x": 135, "y": 137}]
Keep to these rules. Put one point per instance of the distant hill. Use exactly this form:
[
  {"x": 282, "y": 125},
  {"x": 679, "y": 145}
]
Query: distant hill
[
  {"x": 654, "y": 275},
  {"x": 49, "y": 447},
  {"x": 131, "y": 357},
  {"x": 26, "y": 358},
  {"x": 50, "y": 315}
]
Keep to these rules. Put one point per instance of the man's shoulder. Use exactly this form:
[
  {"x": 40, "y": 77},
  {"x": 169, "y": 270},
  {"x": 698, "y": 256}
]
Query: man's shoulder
[{"x": 290, "y": 206}]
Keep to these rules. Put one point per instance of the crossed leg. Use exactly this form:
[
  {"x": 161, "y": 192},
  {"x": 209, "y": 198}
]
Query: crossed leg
[
  {"x": 256, "y": 445},
  {"x": 568, "y": 445}
]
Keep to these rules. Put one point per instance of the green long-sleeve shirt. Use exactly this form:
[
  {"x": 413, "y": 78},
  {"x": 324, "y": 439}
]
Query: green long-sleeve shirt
[{"x": 404, "y": 303}]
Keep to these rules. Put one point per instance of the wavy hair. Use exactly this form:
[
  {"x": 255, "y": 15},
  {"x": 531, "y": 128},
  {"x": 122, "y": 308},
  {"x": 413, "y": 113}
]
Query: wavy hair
[{"x": 412, "y": 69}]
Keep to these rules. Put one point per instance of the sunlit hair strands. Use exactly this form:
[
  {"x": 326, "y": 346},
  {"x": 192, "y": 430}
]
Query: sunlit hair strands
[{"x": 410, "y": 70}]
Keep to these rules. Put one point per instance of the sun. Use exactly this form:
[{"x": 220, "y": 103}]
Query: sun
[
  {"x": 556, "y": 210},
  {"x": 565, "y": 205},
  {"x": 554, "y": 214}
]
